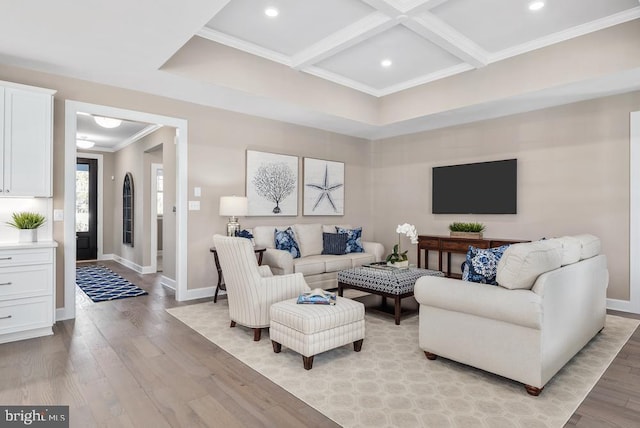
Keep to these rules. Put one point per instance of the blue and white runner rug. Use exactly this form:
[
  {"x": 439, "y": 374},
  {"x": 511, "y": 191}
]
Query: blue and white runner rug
[{"x": 101, "y": 283}]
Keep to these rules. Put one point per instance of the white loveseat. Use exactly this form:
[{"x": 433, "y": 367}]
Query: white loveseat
[
  {"x": 550, "y": 301},
  {"x": 319, "y": 270}
]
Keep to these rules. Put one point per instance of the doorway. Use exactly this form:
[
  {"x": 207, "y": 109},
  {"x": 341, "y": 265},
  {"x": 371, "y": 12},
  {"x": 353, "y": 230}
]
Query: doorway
[
  {"x": 71, "y": 111},
  {"x": 86, "y": 209}
]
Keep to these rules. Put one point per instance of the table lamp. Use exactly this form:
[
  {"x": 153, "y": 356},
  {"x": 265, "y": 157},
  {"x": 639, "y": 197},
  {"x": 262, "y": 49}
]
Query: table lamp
[{"x": 233, "y": 207}]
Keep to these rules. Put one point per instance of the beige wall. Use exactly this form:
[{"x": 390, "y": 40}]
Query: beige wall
[
  {"x": 216, "y": 156},
  {"x": 573, "y": 177}
]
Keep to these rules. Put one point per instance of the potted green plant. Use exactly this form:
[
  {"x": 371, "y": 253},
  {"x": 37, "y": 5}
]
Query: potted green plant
[
  {"x": 466, "y": 230},
  {"x": 27, "y": 223}
]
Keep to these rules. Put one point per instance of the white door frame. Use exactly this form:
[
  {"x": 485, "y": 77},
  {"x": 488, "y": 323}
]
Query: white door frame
[
  {"x": 633, "y": 304},
  {"x": 71, "y": 110},
  {"x": 100, "y": 208},
  {"x": 153, "y": 233}
]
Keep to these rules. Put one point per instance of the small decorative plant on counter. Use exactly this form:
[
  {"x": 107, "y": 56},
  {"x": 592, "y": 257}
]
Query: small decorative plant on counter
[
  {"x": 398, "y": 258},
  {"x": 466, "y": 230},
  {"x": 27, "y": 223}
]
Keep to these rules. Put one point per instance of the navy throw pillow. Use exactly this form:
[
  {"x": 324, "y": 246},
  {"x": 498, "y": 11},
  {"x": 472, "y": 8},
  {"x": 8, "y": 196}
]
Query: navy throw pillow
[
  {"x": 285, "y": 240},
  {"x": 481, "y": 265},
  {"x": 334, "y": 243},
  {"x": 354, "y": 240}
]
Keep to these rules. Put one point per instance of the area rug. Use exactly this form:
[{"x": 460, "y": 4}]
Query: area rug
[
  {"x": 391, "y": 383},
  {"x": 101, "y": 283}
]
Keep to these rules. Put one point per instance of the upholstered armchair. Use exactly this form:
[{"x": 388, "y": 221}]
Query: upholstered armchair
[{"x": 252, "y": 289}]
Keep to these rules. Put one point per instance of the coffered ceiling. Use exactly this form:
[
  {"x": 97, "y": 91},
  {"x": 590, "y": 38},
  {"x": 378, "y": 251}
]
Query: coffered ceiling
[
  {"x": 345, "y": 41},
  {"x": 178, "y": 49}
]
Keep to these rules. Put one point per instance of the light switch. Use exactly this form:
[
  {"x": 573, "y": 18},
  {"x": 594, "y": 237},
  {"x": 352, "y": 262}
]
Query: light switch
[
  {"x": 58, "y": 215},
  {"x": 197, "y": 192},
  {"x": 194, "y": 205}
]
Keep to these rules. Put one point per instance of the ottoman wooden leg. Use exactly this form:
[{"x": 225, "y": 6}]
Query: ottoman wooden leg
[
  {"x": 277, "y": 347},
  {"x": 257, "y": 332},
  {"x": 397, "y": 308},
  {"x": 357, "y": 345},
  {"x": 308, "y": 362},
  {"x": 430, "y": 356},
  {"x": 233, "y": 324},
  {"x": 532, "y": 390}
]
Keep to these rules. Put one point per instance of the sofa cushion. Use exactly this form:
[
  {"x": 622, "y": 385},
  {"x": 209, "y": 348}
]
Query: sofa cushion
[
  {"x": 354, "y": 239},
  {"x": 331, "y": 228},
  {"x": 285, "y": 240},
  {"x": 334, "y": 243},
  {"x": 481, "y": 265},
  {"x": 337, "y": 263},
  {"x": 590, "y": 244},
  {"x": 571, "y": 249},
  {"x": 263, "y": 236},
  {"x": 521, "y": 264},
  {"x": 309, "y": 239},
  {"x": 310, "y": 265}
]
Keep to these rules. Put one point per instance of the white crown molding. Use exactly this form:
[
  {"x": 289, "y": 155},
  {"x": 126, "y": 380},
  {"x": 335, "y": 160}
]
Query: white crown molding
[
  {"x": 135, "y": 137},
  {"x": 360, "y": 30},
  {"x": 341, "y": 80},
  {"x": 440, "y": 74},
  {"x": 570, "y": 33},
  {"x": 227, "y": 40},
  {"x": 446, "y": 37}
]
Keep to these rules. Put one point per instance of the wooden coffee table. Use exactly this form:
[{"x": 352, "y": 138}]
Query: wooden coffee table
[{"x": 395, "y": 283}]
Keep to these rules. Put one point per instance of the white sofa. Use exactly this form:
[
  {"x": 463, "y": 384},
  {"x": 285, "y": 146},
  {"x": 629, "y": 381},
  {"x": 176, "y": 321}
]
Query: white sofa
[
  {"x": 319, "y": 270},
  {"x": 550, "y": 301}
]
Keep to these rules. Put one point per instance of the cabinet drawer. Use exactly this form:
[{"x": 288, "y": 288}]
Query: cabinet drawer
[
  {"x": 25, "y": 281},
  {"x": 25, "y": 257},
  {"x": 430, "y": 244},
  {"x": 462, "y": 246},
  {"x": 25, "y": 314}
]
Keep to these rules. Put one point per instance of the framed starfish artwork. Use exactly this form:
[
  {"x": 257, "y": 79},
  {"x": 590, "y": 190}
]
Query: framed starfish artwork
[{"x": 323, "y": 187}]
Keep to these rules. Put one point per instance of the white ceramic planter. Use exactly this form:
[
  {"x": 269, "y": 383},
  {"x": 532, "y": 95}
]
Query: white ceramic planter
[
  {"x": 404, "y": 263},
  {"x": 28, "y": 235}
]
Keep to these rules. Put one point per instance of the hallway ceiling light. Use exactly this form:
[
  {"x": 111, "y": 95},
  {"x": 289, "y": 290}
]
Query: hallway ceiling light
[
  {"x": 85, "y": 144},
  {"x": 386, "y": 63},
  {"x": 536, "y": 5},
  {"x": 271, "y": 12},
  {"x": 107, "y": 122}
]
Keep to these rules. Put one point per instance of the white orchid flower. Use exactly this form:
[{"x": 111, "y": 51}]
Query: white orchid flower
[{"x": 409, "y": 230}]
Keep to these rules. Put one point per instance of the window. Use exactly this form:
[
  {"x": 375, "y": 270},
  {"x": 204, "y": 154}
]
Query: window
[
  {"x": 160, "y": 190},
  {"x": 82, "y": 197},
  {"x": 127, "y": 210}
]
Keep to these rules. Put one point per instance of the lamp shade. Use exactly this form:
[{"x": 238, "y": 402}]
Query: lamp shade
[{"x": 233, "y": 206}]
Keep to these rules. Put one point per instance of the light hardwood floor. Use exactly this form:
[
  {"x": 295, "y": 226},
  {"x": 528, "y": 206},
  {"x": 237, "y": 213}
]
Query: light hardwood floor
[{"x": 127, "y": 363}]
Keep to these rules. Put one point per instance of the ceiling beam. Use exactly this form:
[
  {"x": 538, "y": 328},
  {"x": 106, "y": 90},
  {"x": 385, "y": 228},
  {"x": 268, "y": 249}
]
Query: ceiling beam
[
  {"x": 446, "y": 37},
  {"x": 363, "y": 29}
]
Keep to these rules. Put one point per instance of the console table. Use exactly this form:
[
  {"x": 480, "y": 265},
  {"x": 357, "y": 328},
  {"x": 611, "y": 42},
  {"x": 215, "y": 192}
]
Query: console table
[{"x": 448, "y": 244}]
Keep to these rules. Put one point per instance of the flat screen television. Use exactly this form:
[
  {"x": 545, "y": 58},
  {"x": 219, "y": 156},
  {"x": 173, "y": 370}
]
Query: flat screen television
[{"x": 475, "y": 188}]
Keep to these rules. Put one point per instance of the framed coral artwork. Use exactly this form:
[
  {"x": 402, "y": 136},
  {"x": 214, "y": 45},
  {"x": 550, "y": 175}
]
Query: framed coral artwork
[
  {"x": 272, "y": 184},
  {"x": 323, "y": 189}
]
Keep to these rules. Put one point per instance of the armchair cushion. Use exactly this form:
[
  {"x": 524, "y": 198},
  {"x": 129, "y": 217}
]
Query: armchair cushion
[{"x": 286, "y": 240}]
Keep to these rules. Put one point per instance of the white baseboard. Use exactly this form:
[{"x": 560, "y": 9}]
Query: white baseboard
[
  {"x": 63, "y": 314},
  {"x": 107, "y": 257},
  {"x": 623, "y": 306},
  {"x": 168, "y": 282},
  {"x": 200, "y": 293},
  {"x": 134, "y": 266}
]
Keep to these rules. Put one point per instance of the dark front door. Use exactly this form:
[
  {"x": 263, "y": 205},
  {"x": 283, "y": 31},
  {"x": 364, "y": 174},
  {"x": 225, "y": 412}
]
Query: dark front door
[{"x": 86, "y": 209}]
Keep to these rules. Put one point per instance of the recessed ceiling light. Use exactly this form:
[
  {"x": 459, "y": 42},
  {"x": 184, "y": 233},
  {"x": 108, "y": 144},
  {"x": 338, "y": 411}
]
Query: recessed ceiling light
[
  {"x": 271, "y": 12},
  {"x": 386, "y": 63},
  {"x": 85, "y": 144},
  {"x": 536, "y": 5},
  {"x": 107, "y": 122}
]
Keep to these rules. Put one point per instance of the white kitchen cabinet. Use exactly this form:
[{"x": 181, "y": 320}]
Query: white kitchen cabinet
[
  {"x": 26, "y": 132},
  {"x": 27, "y": 290}
]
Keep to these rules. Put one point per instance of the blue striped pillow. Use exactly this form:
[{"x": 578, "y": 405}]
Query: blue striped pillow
[{"x": 334, "y": 243}]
